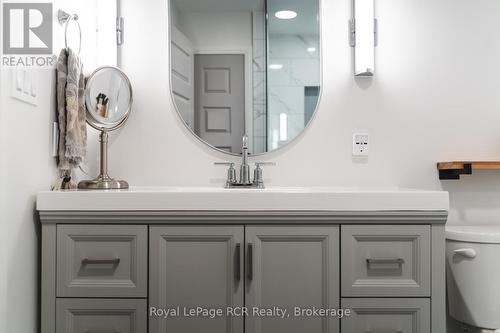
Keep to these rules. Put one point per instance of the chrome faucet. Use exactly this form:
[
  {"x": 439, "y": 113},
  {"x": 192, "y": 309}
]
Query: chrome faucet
[
  {"x": 245, "y": 168},
  {"x": 245, "y": 181}
]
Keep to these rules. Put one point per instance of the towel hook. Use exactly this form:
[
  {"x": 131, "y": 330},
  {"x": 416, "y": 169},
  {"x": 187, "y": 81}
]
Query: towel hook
[{"x": 65, "y": 18}]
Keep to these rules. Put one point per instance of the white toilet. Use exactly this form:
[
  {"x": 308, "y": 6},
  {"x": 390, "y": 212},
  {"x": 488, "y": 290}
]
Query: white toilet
[{"x": 473, "y": 276}]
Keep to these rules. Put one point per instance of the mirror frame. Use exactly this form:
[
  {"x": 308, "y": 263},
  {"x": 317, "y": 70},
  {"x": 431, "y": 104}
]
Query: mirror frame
[
  {"x": 251, "y": 154},
  {"x": 94, "y": 123}
]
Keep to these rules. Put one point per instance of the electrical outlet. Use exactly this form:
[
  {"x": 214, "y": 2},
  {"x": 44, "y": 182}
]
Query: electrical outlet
[{"x": 360, "y": 144}]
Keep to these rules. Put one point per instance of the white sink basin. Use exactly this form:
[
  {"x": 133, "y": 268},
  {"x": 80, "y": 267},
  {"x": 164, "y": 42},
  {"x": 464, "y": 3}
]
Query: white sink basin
[{"x": 270, "y": 199}]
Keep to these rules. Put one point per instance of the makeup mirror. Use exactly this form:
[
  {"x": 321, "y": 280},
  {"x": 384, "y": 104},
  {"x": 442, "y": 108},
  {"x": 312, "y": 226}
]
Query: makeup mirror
[{"x": 108, "y": 99}]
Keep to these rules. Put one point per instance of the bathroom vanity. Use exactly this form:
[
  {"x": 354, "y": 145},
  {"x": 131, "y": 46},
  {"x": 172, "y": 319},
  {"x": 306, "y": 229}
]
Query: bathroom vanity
[{"x": 109, "y": 259}]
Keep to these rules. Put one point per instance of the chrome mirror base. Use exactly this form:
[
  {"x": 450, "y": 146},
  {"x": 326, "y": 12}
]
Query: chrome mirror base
[{"x": 103, "y": 183}]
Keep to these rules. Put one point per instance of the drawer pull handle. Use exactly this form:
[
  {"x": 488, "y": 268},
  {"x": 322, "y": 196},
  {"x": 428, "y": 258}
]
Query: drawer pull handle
[
  {"x": 396, "y": 261},
  {"x": 88, "y": 261},
  {"x": 237, "y": 269},
  {"x": 396, "y": 332}
]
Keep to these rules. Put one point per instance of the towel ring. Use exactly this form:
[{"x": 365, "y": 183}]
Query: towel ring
[{"x": 65, "y": 18}]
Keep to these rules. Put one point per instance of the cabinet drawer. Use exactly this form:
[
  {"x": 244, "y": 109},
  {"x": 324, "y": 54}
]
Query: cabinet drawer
[
  {"x": 101, "y": 315},
  {"x": 385, "y": 261},
  {"x": 101, "y": 261},
  {"x": 395, "y": 315}
]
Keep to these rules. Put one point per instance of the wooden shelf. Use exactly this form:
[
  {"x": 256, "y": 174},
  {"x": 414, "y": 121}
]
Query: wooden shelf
[{"x": 453, "y": 170}]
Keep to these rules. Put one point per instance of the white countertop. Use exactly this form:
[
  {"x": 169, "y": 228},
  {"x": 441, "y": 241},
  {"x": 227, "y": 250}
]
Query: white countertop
[{"x": 270, "y": 199}]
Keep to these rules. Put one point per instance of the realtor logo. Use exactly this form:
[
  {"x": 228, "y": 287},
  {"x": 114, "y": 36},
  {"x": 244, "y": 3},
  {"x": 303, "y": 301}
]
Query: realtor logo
[{"x": 27, "y": 28}]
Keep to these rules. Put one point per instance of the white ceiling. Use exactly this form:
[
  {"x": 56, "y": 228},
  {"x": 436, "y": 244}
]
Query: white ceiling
[
  {"x": 306, "y": 22},
  {"x": 218, "y": 5}
]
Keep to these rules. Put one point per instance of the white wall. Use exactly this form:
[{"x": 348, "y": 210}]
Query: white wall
[
  {"x": 434, "y": 97},
  {"x": 26, "y": 167},
  {"x": 3, "y": 213},
  {"x": 98, "y": 24}
]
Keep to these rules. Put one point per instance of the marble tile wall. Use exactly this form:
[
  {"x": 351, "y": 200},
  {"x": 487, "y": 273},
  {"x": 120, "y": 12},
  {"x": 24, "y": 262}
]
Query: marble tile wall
[
  {"x": 259, "y": 83},
  {"x": 296, "y": 66}
]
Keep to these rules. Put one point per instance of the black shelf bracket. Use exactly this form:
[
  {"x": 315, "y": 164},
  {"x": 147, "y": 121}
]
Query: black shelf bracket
[{"x": 454, "y": 174}]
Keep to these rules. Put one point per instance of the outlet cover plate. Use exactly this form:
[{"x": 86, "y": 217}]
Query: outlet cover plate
[{"x": 360, "y": 144}]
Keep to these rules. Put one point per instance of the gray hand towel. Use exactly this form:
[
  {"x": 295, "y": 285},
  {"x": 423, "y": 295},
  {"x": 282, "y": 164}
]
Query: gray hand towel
[{"x": 71, "y": 111}]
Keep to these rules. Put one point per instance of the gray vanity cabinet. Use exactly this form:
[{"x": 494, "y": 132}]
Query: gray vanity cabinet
[
  {"x": 288, "y": 267},
  {"x": 196, "y": 266},
  {"x": 107, "y": 272}
]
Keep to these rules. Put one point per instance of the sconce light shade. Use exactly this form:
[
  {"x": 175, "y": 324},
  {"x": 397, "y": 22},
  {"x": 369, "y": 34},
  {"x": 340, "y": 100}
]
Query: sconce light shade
[{"x": 364, "y": 37}]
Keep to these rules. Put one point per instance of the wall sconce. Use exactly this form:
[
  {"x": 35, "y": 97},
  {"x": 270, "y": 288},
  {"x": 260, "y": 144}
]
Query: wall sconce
[{"x": 363, "y": 34}]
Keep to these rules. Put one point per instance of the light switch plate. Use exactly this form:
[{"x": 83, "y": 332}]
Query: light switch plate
[
  {"x": 25, "y": 85},
  {"x": 360, "y": 144}
]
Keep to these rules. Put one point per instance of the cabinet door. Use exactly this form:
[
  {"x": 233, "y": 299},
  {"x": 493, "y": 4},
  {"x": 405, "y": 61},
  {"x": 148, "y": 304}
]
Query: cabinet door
[
  {"x": 289, "y": 267},
  {"x": 195, "y": 266},
  {"x": 398, "y": 315}
]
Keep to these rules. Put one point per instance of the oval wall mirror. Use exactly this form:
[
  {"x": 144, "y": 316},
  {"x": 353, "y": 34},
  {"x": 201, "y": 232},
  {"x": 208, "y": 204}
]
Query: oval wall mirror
[{"x": 245, "y": 67}]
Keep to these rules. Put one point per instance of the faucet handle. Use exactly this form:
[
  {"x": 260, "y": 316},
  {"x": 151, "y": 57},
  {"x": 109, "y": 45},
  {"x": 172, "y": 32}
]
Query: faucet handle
[
  {"x": 259, "y": 164},
  {"x": 257, "y": 173},
  {"x": 231, "y": 172},
  {"x": 229, "y": 164}
]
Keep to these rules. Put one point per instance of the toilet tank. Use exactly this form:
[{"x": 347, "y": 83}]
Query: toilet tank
[{"x": 473, "y": 275}]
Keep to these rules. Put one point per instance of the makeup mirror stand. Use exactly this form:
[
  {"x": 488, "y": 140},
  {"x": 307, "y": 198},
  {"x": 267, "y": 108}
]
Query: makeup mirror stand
[
  {"x": 103, "y": 181},
  {"x": 101, "y": 123}
]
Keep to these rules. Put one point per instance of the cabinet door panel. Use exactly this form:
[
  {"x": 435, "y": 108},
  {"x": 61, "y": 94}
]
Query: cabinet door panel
[
  {"x": 292, "y": 267},
  {"x": 196, "y": 266},
  {"x": 372, "y": 315}
]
